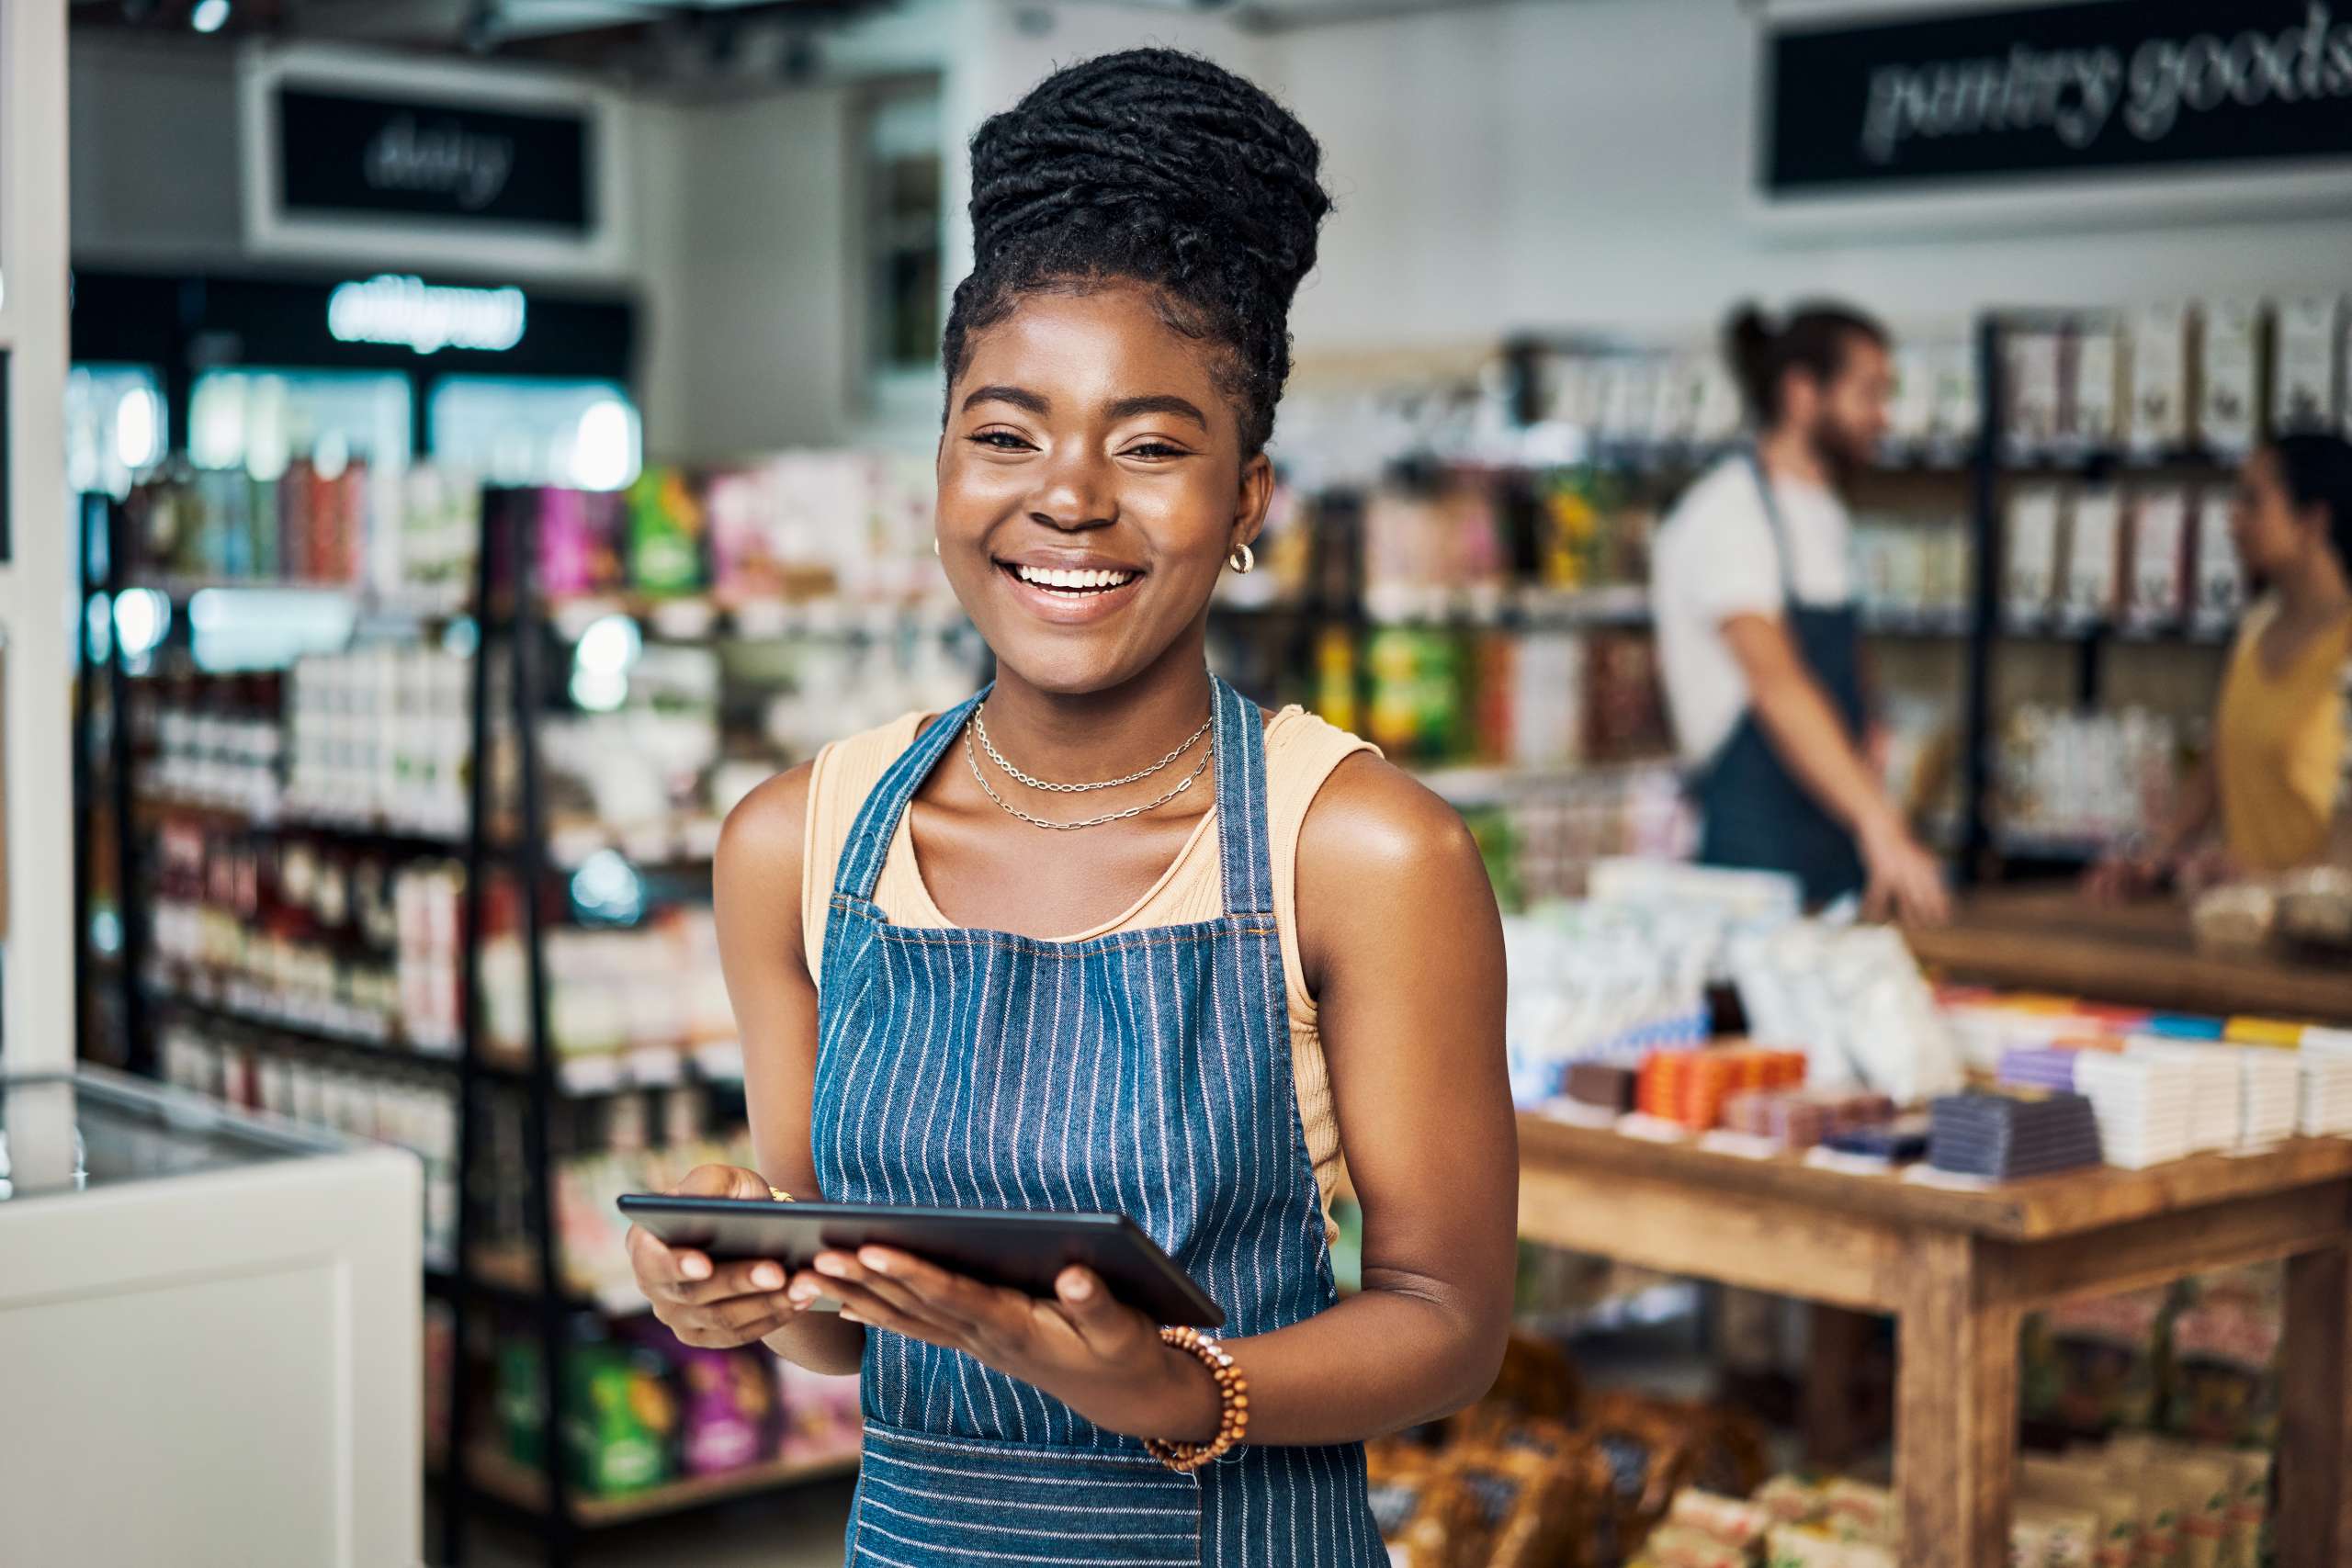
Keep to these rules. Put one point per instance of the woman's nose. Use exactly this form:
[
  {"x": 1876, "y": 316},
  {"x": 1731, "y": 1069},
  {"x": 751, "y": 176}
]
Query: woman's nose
[{"x": 1076, "y": 491}]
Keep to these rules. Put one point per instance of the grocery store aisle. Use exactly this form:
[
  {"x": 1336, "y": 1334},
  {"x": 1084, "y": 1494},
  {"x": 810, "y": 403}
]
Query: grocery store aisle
[{"x": 800, "y": 1529}]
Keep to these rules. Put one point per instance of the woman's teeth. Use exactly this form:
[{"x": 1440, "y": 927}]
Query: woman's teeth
[{"x": 1074, "y": 582}]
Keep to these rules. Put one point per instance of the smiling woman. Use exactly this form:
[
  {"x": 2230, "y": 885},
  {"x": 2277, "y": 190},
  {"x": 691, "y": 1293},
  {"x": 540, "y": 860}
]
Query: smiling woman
[{"x": 1190, "y": 1021}]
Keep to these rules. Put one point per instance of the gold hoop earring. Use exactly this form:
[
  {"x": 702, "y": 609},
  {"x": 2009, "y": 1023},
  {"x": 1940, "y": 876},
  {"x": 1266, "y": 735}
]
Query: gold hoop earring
[{"x": 1243, "y": 561}]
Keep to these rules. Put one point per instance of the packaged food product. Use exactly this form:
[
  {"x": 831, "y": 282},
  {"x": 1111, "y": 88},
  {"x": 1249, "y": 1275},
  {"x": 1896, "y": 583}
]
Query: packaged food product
[
  {"x": 1732, "y": 1520},
  {"x": 2030, "y": 573},
  {"x": 2158, "y": 417},
  {"x": 2304, "y": 392},
  {"x": 2052, "y": 1534},
  {"x": 1856, "y": 1510},
  {"x": 1527, "y": 1507},
  {"x": 2202, "y": 1491},
  {"x": 1537, "y": 1382},
  {"x": 665, "y": 521},
  {"x": 2093, "y": 415},
  {"x": 2159, "y": 536},
  {"x": 2249, "y": 1514},
  {"x": 1788, "y": 1499},
  {"x": 1638, "y": 1454},
  {"x": 1678, "y": 1546},
  {"x": 2093, "y": 557},
  {"x": 2090, "y": 1363},
  {"x": 2082, "y": 1483},
  {"x": 2225, "y": 1384},
  {"x": 1425, "y": 1516},
  {"x": 2229, "y": 403},
  {"x": 2036, "y": 410},
  {"x": 1809, "y": 1546}
]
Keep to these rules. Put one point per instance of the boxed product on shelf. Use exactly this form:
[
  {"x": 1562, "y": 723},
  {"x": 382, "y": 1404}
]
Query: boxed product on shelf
[
  {"x": 821, "y": 1419},
  {"x": 389, "y": 1107},
  {"x": 1914, "y": 570},
  {"x": 730, "y": 1414},
  {"x": 2229, "y": 408},
  {"x": 380, "y": 734},
  {"x": 2158, "y": 548},
  {"x": 2223, "y": 1383},
  {"x": 2094, "y": 547},
  {"x": 2037, "y": 389},
  {"x": 2306, "y": 390},
  {"x": 2219, "y": 581},
  {"x": 2159, "y": 417},
  {"x": 620, "y": 1415},
  {"x": 2085, "y": 777},
  {"x": 2095, "y": 1363},
  {"x": 2029, "y": 567},
  {"x": 2095, "y": 367},
  {"x": 666, "y": 520}
]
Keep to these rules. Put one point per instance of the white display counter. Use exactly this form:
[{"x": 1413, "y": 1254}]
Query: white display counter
[{"x": 210, "y": 1336}]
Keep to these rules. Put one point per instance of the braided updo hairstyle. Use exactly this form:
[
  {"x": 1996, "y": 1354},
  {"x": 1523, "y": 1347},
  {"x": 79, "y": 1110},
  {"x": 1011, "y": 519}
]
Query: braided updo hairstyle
[{"x": 1156, "y": 168}]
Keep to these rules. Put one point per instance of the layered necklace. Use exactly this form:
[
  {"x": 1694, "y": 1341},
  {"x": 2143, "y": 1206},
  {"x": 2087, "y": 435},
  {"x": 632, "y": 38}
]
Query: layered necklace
[{"x": 980, "y": 726}]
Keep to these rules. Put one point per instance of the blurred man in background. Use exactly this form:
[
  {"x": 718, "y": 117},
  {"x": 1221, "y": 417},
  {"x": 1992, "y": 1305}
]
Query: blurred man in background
[{"x": 1752, "y": 589}]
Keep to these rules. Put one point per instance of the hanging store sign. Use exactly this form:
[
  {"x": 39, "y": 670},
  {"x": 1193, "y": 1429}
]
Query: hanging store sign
[
  {"x": 411, "y": 313},
  {"x": 380, "y": 156},
  {"x": 359, "y": 159},
  {"x": 1894, "y": 99}
]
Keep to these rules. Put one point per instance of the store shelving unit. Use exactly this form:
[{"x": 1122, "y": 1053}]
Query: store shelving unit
[
  {"x": 499, "y": 839},
  {"x": 1989, "y": 848}
]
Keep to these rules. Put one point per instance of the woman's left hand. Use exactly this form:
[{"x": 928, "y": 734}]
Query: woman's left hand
[{"x": 1104, "y": 1360}]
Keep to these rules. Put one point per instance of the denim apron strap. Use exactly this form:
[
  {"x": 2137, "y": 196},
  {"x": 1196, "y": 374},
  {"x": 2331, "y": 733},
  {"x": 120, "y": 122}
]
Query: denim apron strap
[
  {"x": 1755, "y": 814},
  {"x": 869, "y": 844},
  {"x": 1245, "y": 855}
]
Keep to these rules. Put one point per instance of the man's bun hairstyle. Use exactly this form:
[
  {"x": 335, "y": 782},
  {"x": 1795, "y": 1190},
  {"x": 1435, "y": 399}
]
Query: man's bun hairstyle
[
  {"x": 1160, "y": 168},
  {"x": 1813, "y": 338}
]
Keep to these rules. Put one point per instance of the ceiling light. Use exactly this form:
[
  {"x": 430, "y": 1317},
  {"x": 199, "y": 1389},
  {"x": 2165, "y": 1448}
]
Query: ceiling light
[{"x": 209, "y": 15}]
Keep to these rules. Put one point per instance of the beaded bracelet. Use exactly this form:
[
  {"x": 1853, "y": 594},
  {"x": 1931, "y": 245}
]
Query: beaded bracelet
[{"x": 1233, "y": 1404}]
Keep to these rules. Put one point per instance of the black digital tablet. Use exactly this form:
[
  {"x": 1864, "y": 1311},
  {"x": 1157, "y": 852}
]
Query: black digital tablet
[{"x": 1021, "y": 1249}]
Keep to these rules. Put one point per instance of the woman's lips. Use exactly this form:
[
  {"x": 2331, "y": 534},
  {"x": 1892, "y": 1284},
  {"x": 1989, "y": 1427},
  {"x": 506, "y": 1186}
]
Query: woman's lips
[{"x": 1070, "y": 608}]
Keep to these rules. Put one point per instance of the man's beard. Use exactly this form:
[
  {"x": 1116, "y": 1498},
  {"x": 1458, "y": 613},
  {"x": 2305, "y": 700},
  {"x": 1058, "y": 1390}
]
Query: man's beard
[{"x": 1840, "y": 457}]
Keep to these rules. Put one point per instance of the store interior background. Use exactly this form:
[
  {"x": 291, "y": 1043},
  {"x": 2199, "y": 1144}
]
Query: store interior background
[{"x": 1561, "y": 171}]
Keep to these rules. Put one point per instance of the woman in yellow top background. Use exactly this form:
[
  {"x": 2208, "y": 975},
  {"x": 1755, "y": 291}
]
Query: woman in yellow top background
[{"x": 2275, "y": 774}]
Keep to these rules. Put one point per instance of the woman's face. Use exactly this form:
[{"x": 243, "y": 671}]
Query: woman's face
[
  {"x": 2271, "y": 536},
  {"x": 1090, "y": 487}
]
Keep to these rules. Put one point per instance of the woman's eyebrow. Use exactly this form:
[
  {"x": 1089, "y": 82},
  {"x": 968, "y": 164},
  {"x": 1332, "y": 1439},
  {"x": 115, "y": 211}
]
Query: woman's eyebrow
[
  {"x": 1019, "y": 397},
  {"x": 1163, "y": 403}
]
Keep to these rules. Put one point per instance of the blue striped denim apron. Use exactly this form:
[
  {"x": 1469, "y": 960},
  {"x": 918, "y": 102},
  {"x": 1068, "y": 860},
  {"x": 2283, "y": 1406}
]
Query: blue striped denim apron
[{"x": 1145, "y": 1072}]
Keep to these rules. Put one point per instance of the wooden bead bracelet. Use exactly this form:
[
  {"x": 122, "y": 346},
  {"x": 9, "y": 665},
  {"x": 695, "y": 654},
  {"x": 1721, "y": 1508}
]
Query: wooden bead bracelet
[{"x": 1233, "y": 1404}]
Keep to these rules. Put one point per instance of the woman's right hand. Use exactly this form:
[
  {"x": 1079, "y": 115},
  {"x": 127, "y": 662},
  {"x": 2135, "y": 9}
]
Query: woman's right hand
[
  {"x": 712, "y": 1304},
  {"x": 2119, "y": 878}
]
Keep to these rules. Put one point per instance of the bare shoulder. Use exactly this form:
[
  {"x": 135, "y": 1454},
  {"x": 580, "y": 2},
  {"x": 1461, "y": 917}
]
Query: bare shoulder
[
  {"x": 1374, "y": 825},
  {"x": 762, "y": 835}
]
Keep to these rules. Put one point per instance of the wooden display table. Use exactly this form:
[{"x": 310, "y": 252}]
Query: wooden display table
[
  {"x": 2140, "y": 954},
  {"x": 1959, "y": 1269}
]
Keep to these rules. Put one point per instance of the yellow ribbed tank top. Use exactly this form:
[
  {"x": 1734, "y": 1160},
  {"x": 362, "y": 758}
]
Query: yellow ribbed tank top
[{"x": 2278, "y": 746}]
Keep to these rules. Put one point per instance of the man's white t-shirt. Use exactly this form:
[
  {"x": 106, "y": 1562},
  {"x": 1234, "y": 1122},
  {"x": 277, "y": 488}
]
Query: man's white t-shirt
[{"x": 1714, "y": 558}]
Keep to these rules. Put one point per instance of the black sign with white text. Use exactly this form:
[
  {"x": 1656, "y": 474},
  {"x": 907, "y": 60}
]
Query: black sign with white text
[
  {"x": 2054, "y": 90},
  {"x": 351, "y": 157}
]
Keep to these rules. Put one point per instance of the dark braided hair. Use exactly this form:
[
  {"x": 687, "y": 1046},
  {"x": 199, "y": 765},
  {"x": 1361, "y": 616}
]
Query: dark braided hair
[{"x": 1156, "y": 168}]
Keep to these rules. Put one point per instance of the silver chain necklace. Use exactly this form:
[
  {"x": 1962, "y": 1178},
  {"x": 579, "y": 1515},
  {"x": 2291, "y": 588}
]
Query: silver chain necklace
[
  {"x": 1010, "y": 809},
  {"x": 979, "y": 722}
]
